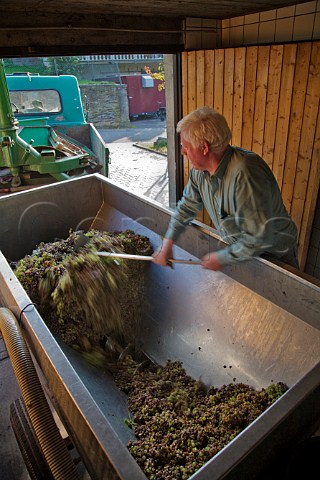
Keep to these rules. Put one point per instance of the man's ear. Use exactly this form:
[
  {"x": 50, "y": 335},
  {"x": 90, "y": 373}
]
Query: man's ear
[{"x": 206, "y": 148}]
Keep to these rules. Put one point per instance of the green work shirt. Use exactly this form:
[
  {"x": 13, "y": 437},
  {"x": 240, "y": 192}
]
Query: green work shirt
[{"x": 244, "y": 202}]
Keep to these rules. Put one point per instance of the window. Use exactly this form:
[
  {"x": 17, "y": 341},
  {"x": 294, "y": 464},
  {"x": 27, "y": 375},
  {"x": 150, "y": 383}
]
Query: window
[{"x": 35, "y": 101}]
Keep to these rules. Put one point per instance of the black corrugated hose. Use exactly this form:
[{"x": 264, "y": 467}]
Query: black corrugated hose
[{"x": 52, "y": 444}]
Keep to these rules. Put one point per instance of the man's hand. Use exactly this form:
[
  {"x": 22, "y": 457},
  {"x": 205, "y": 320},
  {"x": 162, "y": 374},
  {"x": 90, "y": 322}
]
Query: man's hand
[
  {"x": 162, "y": 255},
  {"x": 211, "y": 262}
]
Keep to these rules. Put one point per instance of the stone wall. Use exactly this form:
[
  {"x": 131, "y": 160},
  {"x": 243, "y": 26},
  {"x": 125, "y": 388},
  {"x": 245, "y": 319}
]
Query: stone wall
[{"x": 106, "y": 104}]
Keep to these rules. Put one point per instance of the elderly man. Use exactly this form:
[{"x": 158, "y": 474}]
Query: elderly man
[{"x": 239, "y": 192}]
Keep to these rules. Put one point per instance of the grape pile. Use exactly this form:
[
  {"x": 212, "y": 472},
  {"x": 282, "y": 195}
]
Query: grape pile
[
  {"x": 81, "y": 296},
  {"x": 179, "y": 425}
]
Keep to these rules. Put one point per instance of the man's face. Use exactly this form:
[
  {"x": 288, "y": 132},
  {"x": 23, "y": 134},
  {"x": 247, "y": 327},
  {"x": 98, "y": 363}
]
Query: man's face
[{"x": 196, "y": 156}]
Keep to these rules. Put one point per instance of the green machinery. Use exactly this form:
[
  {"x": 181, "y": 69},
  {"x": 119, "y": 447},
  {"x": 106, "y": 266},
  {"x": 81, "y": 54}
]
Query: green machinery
[{"x": 44, "y": 145}]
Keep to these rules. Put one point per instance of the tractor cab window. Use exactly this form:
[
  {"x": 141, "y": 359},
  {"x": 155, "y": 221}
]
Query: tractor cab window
[{"x": 26, "y": 102}]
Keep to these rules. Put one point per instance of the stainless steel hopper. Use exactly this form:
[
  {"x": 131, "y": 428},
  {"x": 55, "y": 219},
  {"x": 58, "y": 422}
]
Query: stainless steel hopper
[{"x": 255, "y": 324}]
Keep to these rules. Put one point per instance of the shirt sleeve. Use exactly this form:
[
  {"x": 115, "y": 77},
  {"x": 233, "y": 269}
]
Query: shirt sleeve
[
  {"x": 187, "y": 209},
  {"x": 253, "y": 226}
]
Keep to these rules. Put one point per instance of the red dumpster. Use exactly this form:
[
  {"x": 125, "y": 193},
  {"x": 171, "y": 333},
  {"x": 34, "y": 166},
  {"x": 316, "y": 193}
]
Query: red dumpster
[{"x": 144, "y": 97}]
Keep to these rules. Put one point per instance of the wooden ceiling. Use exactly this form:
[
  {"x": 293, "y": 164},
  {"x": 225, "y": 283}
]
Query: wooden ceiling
[
  {"x": 44, "y": 27},
  {"x": 218, "y": 9}
]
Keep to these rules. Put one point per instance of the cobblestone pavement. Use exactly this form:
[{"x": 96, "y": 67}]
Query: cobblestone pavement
[
  {"x": 135, "y": 168},
  {"x": 140, "y": 170}
]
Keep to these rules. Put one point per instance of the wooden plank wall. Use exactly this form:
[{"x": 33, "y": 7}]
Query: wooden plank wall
[{"x": 270, "y": 98}]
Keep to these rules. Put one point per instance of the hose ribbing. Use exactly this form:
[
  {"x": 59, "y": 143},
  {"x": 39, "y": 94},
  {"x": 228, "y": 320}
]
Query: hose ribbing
[{"x": 52, "y": 444}]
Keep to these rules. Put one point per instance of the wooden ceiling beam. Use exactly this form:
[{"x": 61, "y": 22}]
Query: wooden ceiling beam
[
  {"x": 80, "y": 34},
  {"x": 215, "y": 9},
  {"x": 42, "y": 19}
]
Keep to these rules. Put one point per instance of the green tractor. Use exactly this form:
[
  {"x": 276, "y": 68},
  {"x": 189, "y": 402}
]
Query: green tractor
[{"x": 44, "y": 137}]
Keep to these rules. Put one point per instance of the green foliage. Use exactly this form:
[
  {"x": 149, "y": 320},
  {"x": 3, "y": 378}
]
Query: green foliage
[
  {"x": 11, "y": 68},
  {"x": 65, "y": 66},
  {"x": 161, "y": 145},
  {"x": 55, "y": 66}
]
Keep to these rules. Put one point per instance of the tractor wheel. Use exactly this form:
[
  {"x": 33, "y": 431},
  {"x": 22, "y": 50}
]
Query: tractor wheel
[{"x": 28, "y": 444}]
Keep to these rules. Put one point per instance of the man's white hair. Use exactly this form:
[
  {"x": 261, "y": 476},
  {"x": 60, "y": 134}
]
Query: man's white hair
[{"x": 205, "y": 125}]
